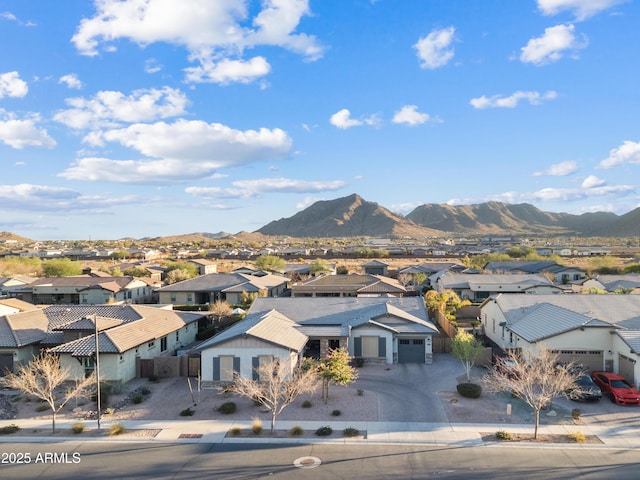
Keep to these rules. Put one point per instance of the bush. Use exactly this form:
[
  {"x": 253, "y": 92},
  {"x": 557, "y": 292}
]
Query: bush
[
  {"x": 110, "y": 411},
  {"x": 351, "y": 432},
  {"x": 42, "y": 408},
  {"x": 324, "y": 431},
  {"x": 306, "y": 404},
  {"x": 296, "y": 430},
  {"x": 256, "y": 426},
  {"x": 577, "y": 437},
  {"x": 359, "y": 362},
  {"x": 360, "y": 392},
  {"x": 469, "y": 390},
  {"x": 77, "y": 427},
  {"x": 227, "y": 408},
  {"x": 8, "y": 429},
  {"x": 234, "y": 431},
  {"x": 105, "y": 393},
  {"x": 145, "y": 391},
  {"x": 575, "y": 413},
  {"x": 137, "y": 398},
  {"x": 187, "y": 412},
  {"x": 116, "y": 429},
  {"x": 502, "y": 435},
  {"x": 336, "y": 413},
  {"x": 154, "y": 378}
]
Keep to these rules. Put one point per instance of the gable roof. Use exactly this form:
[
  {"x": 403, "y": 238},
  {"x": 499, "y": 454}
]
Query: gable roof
[{"x": 218, "y": 282}]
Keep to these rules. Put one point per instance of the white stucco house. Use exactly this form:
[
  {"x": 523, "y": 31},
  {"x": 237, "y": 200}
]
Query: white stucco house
[
  {"x": 376, "y": 329},
  {"x": 601, "y": 332}
]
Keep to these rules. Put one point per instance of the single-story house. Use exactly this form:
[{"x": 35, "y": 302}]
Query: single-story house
[
  {"x": 126, "y": 333},
  {"x": 91, "y": 289},
  {"x": 562, "y": 274},
  {"x": 477, "y": 287},
  {"x": 227, "y": 287},
  {"x": 376, "y": 329},
  {"x": 629, "y": 283},
  {"x": 351, "y": 285},
  {"x": 600, "y": 332},
  {"x": 376, "y": 267}
]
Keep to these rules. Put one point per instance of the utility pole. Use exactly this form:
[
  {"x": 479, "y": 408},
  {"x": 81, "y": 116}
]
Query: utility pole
[{"x": 97, "y": 368}]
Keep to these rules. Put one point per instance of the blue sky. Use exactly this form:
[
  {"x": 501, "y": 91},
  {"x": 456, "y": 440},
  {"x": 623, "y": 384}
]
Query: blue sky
[{"x": 134, "y": 118}]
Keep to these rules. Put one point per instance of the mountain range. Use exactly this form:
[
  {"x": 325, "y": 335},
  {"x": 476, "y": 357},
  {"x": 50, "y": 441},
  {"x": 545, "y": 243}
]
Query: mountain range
[{"x": 353, "y": 216}]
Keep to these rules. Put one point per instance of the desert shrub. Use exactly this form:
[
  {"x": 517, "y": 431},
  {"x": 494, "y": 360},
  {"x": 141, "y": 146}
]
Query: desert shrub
[
  {"x": 116, "y": 429},
  {"x": 360, "y": 392},
  {"x": 137, "y": 398},
  {"x": 187, "y": 412},
  {"x": 227, "y": 408},
  {"x": 577, "y": 437},
  {"x": 502, "y": 435},
  {"x": 575, "y": 413},
  {"x": 234, "y": 431},
  {"x": 105, "y": 392},
  {"x": 145, "y": 391},
  {"x": 306, "y": 404},
  {"x": 296, "y": 430},
  {"x": 336, "y": 413},
  {"x": 110, "y": 411},
  {"x": 8, "y": 429},
  {"x": 154, "y": 378},
  {"x": 351, "y": 432},
  {"x": 469, "y": 390},
  {"x": 256, "y": 426},
  {"x": 359, "y": 362},
  {"x": 324, "y": 431},
  {"x": 17, "y": 398},
  {"x": 77, "y": 427},
  {"x": 42, "y": 408}
]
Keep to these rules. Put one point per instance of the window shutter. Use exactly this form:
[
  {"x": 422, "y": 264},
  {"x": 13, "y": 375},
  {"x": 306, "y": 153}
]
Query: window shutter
[
  {"x": 236, "y": 365},
  {"x": 255, "y": 364},
  {"x": 382, "y": 347},
  {"x": 216, "y": 369},
  {"x": 357, "y": 346}
]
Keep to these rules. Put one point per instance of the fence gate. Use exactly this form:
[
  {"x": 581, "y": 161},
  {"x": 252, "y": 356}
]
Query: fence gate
[
  {"x": 146, "y": 368},
  {"x": 194, "y": 367}
]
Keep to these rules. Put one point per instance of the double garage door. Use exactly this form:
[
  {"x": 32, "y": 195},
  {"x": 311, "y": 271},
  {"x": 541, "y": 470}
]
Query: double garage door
[
  {"x": 592, "y": 360},
  {"x": 411, "y": 350}
]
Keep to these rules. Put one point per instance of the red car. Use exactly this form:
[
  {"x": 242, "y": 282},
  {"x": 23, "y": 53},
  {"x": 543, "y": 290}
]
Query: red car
[{"x": 616, "y": 388}]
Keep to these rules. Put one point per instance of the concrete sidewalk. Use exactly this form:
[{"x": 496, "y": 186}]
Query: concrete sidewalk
[{"x": 407, "y": 433}]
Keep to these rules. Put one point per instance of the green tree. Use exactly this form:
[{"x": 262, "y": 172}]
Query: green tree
[
  {"x": 320, "y": 266},
  {"x": 61, "y": 267},
  {"x": 177, "y": 275},
  {"x": 466, "y": 348},
  {"x": 136, "y": 272},
  {"x": 335, "y": 368},
  {"x": 188, "y": 267},
  {"x": 30, "y": 266},
  {"x": 270, "y": 263},
  {"x": 447, "y": 302},
  {"x": 342, "y": 270}
]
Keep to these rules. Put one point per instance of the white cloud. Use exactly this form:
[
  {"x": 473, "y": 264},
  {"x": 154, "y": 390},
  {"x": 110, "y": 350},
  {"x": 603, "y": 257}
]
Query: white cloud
[
  {"x": 593, "y": 182},
  {"x": 559, "y": 169},
  {"x": 342, "y": 119},
  {"x": 409, "y": 114},
  {"x": 151, "y": 65},
  {"x": 552, "y": 45},
  {"x": 253, "y": 188},
  {"x": 12, "y": 86},
  {"x": 214, "y": 33},
  {"x": 628, "y": 152},
  {"x": 498, "y": 101},
  {"x": 551, "y": 195},
  {"x": 227, "y": 71},
  {"x": 71, "y": 80},
  {"x": 8, "y": 16},
  {"x": 109, "y": 108},
  {"x": 36, "y": 197},
  {"x": 580, "y": 8},
  {"x": 23, "y": 132},
  {"x": 435, "y": 49},
  {"x": 181, "y": 151}
]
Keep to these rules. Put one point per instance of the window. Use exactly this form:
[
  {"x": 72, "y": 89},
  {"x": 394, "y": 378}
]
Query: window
[
  {"x": 151, "y": 344},
  {"x": 418, "y": 341},
  {"x": 369, "y": 346},
  {"x": 189, "y": 297},
  {"x": 178, "y": 336},
  {"x": 173, "y": 297},
  {"x": 404, "y": 341},
  {"x": 163, "y": 344}
]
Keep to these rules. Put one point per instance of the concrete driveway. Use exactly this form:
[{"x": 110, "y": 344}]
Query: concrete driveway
[{"x": 409, "y": 392}]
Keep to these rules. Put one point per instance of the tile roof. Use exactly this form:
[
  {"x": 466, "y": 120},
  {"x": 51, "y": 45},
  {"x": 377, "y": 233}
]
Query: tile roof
[{"x": 216, "y": 282}]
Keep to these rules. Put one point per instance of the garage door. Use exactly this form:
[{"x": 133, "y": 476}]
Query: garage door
[
  {"x": 625, "y": 368},
  {"x": 592, "y": 360},
  {"x": 411, "y": 350}
]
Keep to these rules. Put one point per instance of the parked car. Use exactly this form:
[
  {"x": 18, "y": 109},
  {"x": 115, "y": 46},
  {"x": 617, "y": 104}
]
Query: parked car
[
  {"x": 616, "y": 388},
  {"x": 584, "y": 389}
]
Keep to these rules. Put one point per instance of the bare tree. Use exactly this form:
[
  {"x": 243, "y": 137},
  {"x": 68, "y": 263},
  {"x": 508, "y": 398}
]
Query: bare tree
[
  {"x": 536, "y": 379},
  {"x": 43, "y": 378},
  {"x": 405, "y": 278},
  {"x": 220, "y": 310},
  {"x": 278, "y": 386}
]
